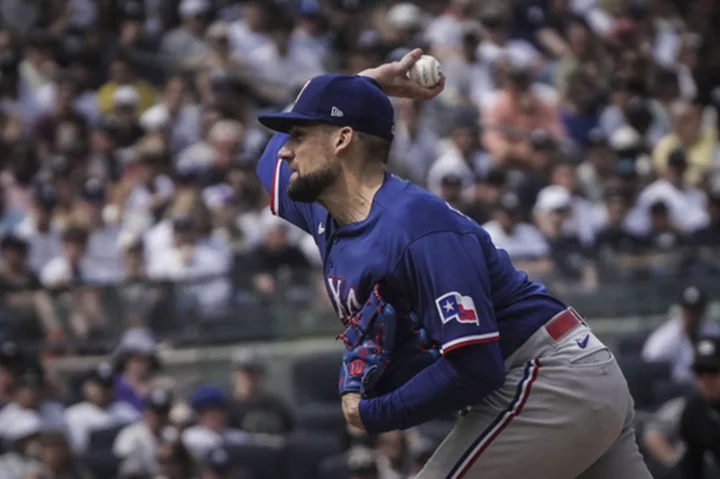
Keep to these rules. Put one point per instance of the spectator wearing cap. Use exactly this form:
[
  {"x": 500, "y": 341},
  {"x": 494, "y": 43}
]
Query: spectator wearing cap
[
  {"x": 175, "y": 116},
  {"x": 139, "y": 442},
  {"x": 135, "y": 360},
  {"x": 276, "y": 263},
  {"x": 687, "y": 133},
  {"x": 687, "y": 205},
  {"x": 514, "y": 115},
  {"x": 99, "y": 410},
  {"x": 310, "y": 33},
  {"x": 211, "y": 430},
  {"x": 443, "y": 32},
  {"x": 93, "y": 213},
  {"x": 451, "y": 191},
  {"x": 673, "y": 342},
  {"x": 485, "y": 195},
  {"x": 594, "y": 173},
  {"x": 497, "y": 44},
  {"x": 173, "y": 459},
  {"x": 251, "y": 407},
  {"x": 38, "y": 229},
  {"x": 125, "y": 100},
  {"x": 187, "y": 40},
  {"x": 415, "y": 146},
  {"x": 707, "y": 239},
  {"x": 19, "y": 459},
  {"x": 462, "y": 155},
  {"x": 522, "y": 241},
  {"x": 699, "y": 429},
  {"x": 31, "y": 400},
  {"x": 122, "y": 73},
  {"x": 188, "y": 259},
  {"x": 281, "y": 61},
  {"x": 21, "y": 295},
  {"x": 573, "y": 267}
]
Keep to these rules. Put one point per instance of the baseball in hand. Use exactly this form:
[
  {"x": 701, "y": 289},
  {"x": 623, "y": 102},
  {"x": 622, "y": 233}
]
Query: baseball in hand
[{"x": 426, "y": 71}]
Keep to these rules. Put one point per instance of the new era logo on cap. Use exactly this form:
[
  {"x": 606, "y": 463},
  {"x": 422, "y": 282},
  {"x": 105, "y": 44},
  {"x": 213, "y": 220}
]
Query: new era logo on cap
[{"x": 342, "y": 100}]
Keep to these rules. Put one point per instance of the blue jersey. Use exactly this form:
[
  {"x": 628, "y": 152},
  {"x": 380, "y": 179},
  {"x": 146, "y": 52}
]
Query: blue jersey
[{"x": 444, "y": 264}]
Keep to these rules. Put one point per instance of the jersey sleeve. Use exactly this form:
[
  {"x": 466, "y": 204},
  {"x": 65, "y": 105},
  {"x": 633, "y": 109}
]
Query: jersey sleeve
[
  {"x": 274, "y": 175},
  {"x": 444, "y": 277}
]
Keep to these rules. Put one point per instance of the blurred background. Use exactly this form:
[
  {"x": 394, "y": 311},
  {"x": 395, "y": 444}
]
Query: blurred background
[{"x": 157, "y": 321}]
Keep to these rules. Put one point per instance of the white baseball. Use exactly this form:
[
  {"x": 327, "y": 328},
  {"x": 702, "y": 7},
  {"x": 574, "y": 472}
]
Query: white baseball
[{"x": 426, "y": 71}]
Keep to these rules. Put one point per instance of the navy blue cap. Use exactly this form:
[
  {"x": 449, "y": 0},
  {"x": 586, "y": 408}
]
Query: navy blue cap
[
  {"x": 342, "y": 100},
  {"x": 208, "y": 397}
]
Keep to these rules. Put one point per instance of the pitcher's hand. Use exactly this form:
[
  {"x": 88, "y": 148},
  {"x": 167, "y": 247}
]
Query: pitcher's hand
[{"x": 393, "y": 78}]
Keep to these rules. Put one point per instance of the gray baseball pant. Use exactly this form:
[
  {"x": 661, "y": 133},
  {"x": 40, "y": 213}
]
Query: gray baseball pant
[{"x": 565, "y": 412}]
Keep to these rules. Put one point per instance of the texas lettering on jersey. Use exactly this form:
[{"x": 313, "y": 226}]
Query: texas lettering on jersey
[{"x": 343, "y": 296}]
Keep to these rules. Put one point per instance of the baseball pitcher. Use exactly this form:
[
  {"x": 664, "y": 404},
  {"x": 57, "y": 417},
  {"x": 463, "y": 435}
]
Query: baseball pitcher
[{"x": 436, "y": 318}]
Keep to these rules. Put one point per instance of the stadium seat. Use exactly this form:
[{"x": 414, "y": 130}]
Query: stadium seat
[
  {"x": 315, "y": 377},
  {"x": 631, "y": 344},
  {"x": 643, "y": 379},
  {"x": 102, "y": 440},
  {"x": 261, "y": 462},
  {"x": 305, "y": 451},
  {"x": 325, "y": 417}
]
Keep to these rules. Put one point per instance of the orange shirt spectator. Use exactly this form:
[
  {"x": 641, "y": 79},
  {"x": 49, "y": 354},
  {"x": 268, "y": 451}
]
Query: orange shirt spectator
[{"x": 513, "y": 116}]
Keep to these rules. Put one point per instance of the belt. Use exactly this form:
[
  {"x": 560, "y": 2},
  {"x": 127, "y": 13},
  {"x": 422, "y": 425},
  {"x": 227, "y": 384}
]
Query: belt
[{"x": 562, "y": 323}]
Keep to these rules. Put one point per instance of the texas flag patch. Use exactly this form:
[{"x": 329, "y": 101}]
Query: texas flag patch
[{"x": 454, "y": 305}]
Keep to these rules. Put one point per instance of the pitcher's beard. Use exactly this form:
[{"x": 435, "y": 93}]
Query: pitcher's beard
[{"x": 308, "y": 188}]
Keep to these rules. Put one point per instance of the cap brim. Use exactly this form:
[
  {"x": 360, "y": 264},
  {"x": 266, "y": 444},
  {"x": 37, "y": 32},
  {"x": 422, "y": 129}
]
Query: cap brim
[{"x": 283, "y": 122}]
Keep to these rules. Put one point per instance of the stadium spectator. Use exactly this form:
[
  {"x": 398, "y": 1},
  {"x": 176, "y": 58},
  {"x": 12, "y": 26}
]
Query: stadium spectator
[
  {"x": 251, "y": 408},
  {"x": 11, "y": 363},
  {"x": 661, "y": 436},
  {"x": 392, "y": 452},
  {"x": 137, "y": 444},
  {"x": 122, "y": 74},
  {"x": 218, "y": 465},
  {"x": 135, "y": 360},
  {"x": 211, "y": 430},
  {"x": 414, "y": 148},
  {"x": 173, "y": 459},
  {"x": 698, "y": 427},
  {"x": 523, "y": 242},
  {"x": 595, "y": 172},
  {"x": 56, "y": 458},
  {"x": 689, "y": 134},
  {"x": 516, "y": 113},
  {"x": 31, "y": 401},
  {"x": 673, "y": 342},
  {"x": 99, "y": 410},
  {"x": 187, "y": 40},
  {"x": 462, "y": 156},
  {"x": 38, "y": 229},
  {"x": 18, "y": 460}
]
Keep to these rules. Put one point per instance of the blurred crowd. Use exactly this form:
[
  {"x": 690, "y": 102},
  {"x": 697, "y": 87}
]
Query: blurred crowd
[
  {"x": 124, "y": 419},
  {"x": 582, "y": 134}
]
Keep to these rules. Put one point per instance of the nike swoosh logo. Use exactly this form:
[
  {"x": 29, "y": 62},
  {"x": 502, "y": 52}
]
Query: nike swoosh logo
[{"x": 583, "y": 342}]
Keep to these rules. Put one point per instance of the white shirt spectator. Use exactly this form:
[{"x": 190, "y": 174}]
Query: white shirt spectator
[
  {"x": 42, "y": 246},
  {"x": 205, "y": 264},
  {"x": 84, "y": 418},
  {"x": 184, "y": 127},
  {"x": 199, "y": 440},
  {"x": 687, "y": 207},
  {"x": 415, "y": 154},
  {"x": 85, "y": 103},
  {"x": 294, "y": 68},
  {"x": 58, "y": 272},
  {"x": 670, "y": 344},
  {"x": 453, "y": 163},
  {"x": 519, "y": 52},
  {"x": 524, "y": 242},
  {"x": 103, "y": 254},
  {"x": 50, "y": 414},
  {"x": 243, "y": 41},
  {"x": 137, "y": 442},
  {"x": 582, "y": 221},
  {"x": 139, "y": 198}
]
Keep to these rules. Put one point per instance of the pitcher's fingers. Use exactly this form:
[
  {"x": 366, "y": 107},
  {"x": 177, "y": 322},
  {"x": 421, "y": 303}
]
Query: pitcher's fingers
[{"x": 406, "y": 62}]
